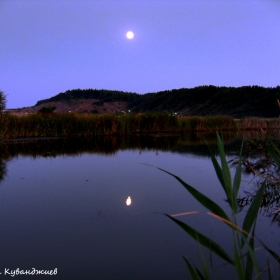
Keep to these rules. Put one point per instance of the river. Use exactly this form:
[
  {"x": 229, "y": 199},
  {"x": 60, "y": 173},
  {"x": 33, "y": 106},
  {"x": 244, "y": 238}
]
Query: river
[{"x": 94, "y": 209}]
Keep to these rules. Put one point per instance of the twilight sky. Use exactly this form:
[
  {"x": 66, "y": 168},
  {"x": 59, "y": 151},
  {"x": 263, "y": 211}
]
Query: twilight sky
[{"x": 50, "y": 46}]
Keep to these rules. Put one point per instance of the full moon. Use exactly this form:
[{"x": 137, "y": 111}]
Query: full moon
[{"x": 129, "y": 35}]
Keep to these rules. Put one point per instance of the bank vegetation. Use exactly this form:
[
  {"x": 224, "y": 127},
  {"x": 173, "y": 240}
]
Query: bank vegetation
[{"x": 89, "y": 125}]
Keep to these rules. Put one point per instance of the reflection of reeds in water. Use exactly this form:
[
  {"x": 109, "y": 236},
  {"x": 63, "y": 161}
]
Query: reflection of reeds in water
[
  {"x": 107, "y": 145},
  {"x": 258, "y": 162},
  {"x": 3, "y": 169},
  {"x": 269, "y": 203}
]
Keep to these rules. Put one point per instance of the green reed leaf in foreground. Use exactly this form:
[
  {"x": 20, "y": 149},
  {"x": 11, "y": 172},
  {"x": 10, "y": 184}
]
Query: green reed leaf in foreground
[
  {"x": 203, "y": 240},
  {"x": 193, "y": 272},
  {"x": 238, "y": 249},
  {"x": 237, "y": 180},
  {"x": 240, "y": 236},
  {"x": 221, "y": 176},
  {"x": 203, "y": 263},
  {"x": 201, "y": 198},
  {"x": 251, "y": 257},
  {"x": 200, "y": 274},
  {"x": 225, "y": 167},
  {"x": 269, "y": 269},
  {"x": 276, "y": 256},
  {"x": 217, "y": 166},
  {"x": 238, "y": 263},
  {"x": 252, "y": 213},
  {"x": 249, "y": 264}
]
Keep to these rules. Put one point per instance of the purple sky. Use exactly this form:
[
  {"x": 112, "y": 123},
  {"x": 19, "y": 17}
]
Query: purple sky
[{"x": 50, "y": 46}]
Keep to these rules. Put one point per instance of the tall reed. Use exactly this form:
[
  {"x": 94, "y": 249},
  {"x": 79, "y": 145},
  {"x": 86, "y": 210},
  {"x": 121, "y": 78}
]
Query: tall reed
[
  {"x": 254, "y": 123},
  {"x": 243, "y": 240},
  {"x": 78, "y": 125}
]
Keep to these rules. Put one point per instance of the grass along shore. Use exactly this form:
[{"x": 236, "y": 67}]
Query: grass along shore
[{"x": 81, "y": 125}]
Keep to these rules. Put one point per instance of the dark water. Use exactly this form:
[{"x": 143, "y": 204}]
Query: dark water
[{"x": 63, "y": 205}]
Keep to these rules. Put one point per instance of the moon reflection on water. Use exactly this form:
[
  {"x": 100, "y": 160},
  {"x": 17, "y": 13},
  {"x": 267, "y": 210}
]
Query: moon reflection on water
[{"x": 128, "y": 201}]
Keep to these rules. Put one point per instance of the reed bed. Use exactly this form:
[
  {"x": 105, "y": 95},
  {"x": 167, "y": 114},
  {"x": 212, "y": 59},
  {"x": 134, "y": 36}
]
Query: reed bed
[
  {"x": 79, "y": 125},
  {"x": 213, "y": 123},
  {"x": 258, "y": 124}
]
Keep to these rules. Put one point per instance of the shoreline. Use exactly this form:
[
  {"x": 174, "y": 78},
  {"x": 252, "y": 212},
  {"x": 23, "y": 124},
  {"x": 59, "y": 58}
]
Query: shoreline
[{"x": 49, "y": 126}]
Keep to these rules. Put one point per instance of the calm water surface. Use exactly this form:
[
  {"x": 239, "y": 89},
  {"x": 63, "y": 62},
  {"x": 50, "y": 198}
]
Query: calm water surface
[{"x": 69, "y": 212}]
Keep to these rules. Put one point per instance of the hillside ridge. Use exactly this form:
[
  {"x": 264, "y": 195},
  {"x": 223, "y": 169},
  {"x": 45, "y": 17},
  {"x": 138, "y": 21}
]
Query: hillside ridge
[{"x": 203, "y": 100}]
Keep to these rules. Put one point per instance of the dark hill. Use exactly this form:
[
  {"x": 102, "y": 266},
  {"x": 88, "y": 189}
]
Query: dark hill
[
  {"x": 204, "y": 100},
  {"x": 102, "y": 95}
]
